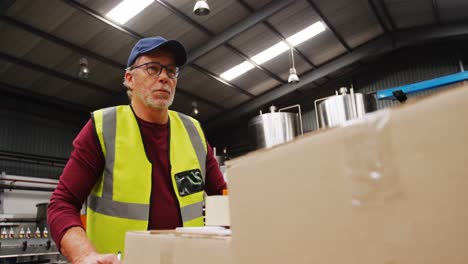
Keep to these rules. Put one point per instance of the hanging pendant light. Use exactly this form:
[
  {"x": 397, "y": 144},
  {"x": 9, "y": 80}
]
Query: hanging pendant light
[
  {"x": 293, "y": 78},
  {"x": 194, "y": 111},
  {"x": 201, "y": 8},
  {"x": 84, "y": 68}
]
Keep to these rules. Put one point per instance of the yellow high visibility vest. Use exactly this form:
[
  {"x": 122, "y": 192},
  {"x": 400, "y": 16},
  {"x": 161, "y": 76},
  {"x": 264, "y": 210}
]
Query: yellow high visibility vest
[{"x": 120, "y": 200}]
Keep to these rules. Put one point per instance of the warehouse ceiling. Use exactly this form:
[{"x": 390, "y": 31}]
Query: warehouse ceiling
[{"x": 43, "y": 41}]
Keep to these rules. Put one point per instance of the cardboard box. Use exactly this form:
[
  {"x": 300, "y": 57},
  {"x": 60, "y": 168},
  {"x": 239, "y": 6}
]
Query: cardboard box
[
  {"x": 173, "y": 247},
  {"x": 217, "y": 210},
  {"x": 392, "y": 189}
]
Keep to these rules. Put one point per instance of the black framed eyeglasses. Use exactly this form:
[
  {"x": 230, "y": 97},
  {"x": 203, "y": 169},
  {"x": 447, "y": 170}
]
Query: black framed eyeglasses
[{"x": 155, "y": 69}]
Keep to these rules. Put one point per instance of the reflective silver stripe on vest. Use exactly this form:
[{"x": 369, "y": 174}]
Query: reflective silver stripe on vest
[
  {"x": 197, "y": 142},
  {"x": 118, "y": 209},
  {"x": 109, "y": 126},
  {"x": 191, "y": 211}
]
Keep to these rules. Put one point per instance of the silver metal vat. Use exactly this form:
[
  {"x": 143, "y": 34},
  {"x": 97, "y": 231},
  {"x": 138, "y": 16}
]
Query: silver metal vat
[
  {"x": 270, "y": 129},
  {"x": 335, "y": 110}
]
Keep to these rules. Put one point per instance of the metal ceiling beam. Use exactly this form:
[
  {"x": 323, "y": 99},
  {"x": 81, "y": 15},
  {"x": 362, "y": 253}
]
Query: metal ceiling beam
[
  {"x": 381, "y": 45},
  {"x": 5, "y": 4},
  {"x": 199, "y": 99},
  {"x": 261, "y": 68},
  {"x": 250, "y": 21},
  {"x": 388, "y": 15},
  {"x": 435, "y": 10},
  {"x": 240, "y": 90},
  {"x": 278, "y": 34},
  {"x": 88, "y": 53},
  {"x": 329, "y": 25},
  {"x": 98, "y": 16},
  {"x": 90, "y": 85},
  {"x": 219, "y": 79},
  {"x": 42, "y": 69},
  {"x": 377, "y": 15},
  {"x": 61, "y": 42},
  {"x": 122, "y": 29},
  {"x": 181, "y": 15}
]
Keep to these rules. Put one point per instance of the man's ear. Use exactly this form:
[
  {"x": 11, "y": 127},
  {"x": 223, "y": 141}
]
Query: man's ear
[{"x": 128, "y": 78}]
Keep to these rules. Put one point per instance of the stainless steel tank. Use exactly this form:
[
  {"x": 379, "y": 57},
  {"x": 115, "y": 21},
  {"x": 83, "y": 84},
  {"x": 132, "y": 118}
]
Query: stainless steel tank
[
  {"x": 270, "y": 129},
  {"x": 335, "y": 110}
]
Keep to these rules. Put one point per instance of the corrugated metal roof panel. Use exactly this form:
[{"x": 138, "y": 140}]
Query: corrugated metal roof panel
[
  {"x": 256, "y": 82},
  {"x": 183, "y": 104},
  {"x": 235, "y": 100},
  {"x": 16, "y": 42},
  {"x": 354, "y": 20},
  {"x": 410, "y": 13},
  {"x": 204, "y": 86},
  {"x": 219, "y": 60},
  {"x": 99, "y": 73},
  {"x": 11, "y": 75},
  {"x": 257, "y": 4},
  {"x": 47, "y": 54},
  {"x": 80, "y": 94},
  {"x": 44, "y": 16},
  {"x": 223, "y": 14},
  {"x": 255, "y": 40},
  {"x": 298, "y": 16},
  {"x": 294, "y": 18},
  {"x": 281, "y": 65},
  {"x": 84, "y": 29},
  {"x": 48, "y": 85},
  {"x": 111, "y": 44},
  {"x": 453, "y": 10}
]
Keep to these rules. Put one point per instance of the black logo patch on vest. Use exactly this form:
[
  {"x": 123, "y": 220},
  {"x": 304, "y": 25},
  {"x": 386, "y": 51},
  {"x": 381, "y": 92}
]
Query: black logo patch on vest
[{"x": 189, "y": 182}]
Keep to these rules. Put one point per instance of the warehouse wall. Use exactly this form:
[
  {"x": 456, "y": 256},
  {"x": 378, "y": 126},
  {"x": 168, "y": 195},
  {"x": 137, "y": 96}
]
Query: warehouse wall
[
  {"x": 35, "y": 138},
  {"x": 398, "y": 68}
]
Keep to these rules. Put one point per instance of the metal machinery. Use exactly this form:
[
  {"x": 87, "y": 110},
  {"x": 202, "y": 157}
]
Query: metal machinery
[
  {"x": 335, "y": 110},
  {"x": 270, "y": 129},
  {"x": 24, "y": 241},
  {"x": 24, "y": 237}
]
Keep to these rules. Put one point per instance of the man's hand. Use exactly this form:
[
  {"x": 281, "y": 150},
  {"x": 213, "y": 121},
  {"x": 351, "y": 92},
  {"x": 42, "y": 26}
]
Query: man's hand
[
  {"x": 98, "y": 259},
  {"x": 79, "y": 250}
]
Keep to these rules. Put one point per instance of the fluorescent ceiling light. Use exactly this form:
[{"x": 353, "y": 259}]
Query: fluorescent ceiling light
[
  {"x": 306, "y": 34},
  {"x": 127, "y": 9},
  {"x": 237, "y": 70},
  {"x": 275, "y": 50},
  {"x": 270, "y": 53}
]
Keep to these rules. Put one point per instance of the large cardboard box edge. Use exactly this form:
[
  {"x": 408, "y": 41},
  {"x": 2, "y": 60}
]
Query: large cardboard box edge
[
  {"x": 391, "y": 190},
  {"x": 172, "y": 247}
]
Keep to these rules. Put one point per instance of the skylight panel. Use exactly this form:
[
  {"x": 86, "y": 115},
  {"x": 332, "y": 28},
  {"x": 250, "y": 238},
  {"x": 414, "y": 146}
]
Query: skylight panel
[
  {"x": 270, "y": 53},
  {"x": 306, "y": 34},
  {"x": 127, "y": 9},
  {"x": 275, "y": 50},
  {"x": 237, "y": 70}
]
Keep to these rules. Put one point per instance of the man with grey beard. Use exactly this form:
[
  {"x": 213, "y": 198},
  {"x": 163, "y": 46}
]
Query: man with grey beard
[{"x": 139, "y": 166}]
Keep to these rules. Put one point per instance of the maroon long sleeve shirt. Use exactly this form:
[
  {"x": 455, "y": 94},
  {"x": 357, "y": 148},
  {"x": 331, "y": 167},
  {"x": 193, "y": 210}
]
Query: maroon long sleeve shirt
[{"x": 85, "y": 167}]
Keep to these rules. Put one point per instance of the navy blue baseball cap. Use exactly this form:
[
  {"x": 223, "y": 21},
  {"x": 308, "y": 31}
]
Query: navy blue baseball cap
[{"x": 148, "y": 44}]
